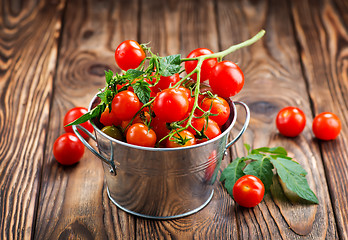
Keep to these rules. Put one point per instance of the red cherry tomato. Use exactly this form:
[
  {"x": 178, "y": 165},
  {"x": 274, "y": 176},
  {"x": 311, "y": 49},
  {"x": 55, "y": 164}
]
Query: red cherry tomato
[
  {"x": 211, "y": 130},
  {"x": 171, "y": 105},
  {"x": 160, "y": 128},
  {"x": 191, "y": 100},
  {"x": 108, "y": 118},
  {"x": 125, "y": 105},
  {"x": 248, "y": 191},
  {"x": 218, "y": 106},
  {"x": 74, "y": 114},
  {"x": 185, "y": 134},
  {"x": 139, "y": 134},
  {"x": 326, "y": 126},
  {"x": 129, "y": 55},
  {"x": 68, "y": 149},
  {"x": 206, "y": 66},
  {"x": 290, "y": 121},
  {"x": 143, "y": 118},
  {"x": 226, "y": 79},
  {"x": 165, "y": 82}
]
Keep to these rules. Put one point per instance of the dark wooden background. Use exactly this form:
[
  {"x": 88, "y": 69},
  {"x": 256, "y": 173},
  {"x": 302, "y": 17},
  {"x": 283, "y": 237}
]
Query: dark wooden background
[{"x": 53, "y": 55}]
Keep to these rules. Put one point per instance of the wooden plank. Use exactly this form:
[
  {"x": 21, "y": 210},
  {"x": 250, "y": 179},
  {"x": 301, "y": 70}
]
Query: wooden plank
[
  {"x": 182, "y": 28},
  {"x": 29, "y": 33},
  {"x": 73, "y": 200},
  {"x": 322, "y": 32},
  {"x": 274, "y": 79}
]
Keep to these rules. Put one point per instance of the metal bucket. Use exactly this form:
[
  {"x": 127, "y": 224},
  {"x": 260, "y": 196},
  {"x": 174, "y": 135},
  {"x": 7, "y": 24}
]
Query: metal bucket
[{"x": 161, "y": 183}]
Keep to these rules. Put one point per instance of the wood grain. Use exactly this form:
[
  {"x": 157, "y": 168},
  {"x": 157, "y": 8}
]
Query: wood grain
[
  {"x": 323, "y": 37},
  {"x": 274, "y": 80},
  {"x": 26, "y": 76},
  {"x": 73, "y": 200}
]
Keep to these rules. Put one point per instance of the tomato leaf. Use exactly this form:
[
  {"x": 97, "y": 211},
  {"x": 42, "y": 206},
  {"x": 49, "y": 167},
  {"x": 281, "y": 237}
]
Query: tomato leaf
[
  {"x": 170, "y": 65},
  {"x": 294, "y": 176},
  {"x": 108, "y": 76},
  {"x": 106, "y": 96},
  {"x": 261, "y": 169},
  {"x": 274, "y": 150},
  {"x": 95, "y": 112},
  {"x": 232, "y": 173},
  {"x": 142, "y": 90},
  {"x": 132, "y": 74}
]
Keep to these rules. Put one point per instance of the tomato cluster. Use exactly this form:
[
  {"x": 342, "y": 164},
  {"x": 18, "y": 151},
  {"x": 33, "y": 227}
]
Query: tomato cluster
[{"x": 178, "y": 113}]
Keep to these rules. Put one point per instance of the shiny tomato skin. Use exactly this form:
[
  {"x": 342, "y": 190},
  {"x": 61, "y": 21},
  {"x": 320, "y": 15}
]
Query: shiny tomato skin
[
  {"x": 160, "y": 128},
  {"x": 68, "y": 149},
  {"x": 190, "y": 99},
  {"x": 108, "y": 118},
  {"x": 212, "y": 130},
  {"x": 129, "y": 55},
  {"x": 226, "y": 79},
  {"x": 125, "y": 105},
  {"x": 165, "y": 82},
  {"x": 326, "y": 126},
  {"x": 184, "y": 134},
  {"x": 139, "y": 134},
  {"x": 171, "y": 105},
  {"x": 218, "y": 106},
  {"x": 74, "y": 114},
  {"x": 248, "y": 191},
  {"x": 113, "y": 132},
  {"x": 290, "y": 121},
  {"x": 206, "y": 66}
]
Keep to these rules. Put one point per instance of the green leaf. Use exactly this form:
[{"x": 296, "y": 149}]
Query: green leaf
[
  {"x": 106, "y": 96},
  {"x": 95, "y": 112},
  {"x": 274, "y": 150},
  {"x": 294, "y": 177},
  {"x": 232, "y": 173},
  {"x": 247, "y": 146},
  {"x": 261, "y": 169},
  {"x": 142, "y": 90},
  {"x": 132, "y": 74},
  {"x": 170, "y": 65},
  {"x": 108, "y": 76}
]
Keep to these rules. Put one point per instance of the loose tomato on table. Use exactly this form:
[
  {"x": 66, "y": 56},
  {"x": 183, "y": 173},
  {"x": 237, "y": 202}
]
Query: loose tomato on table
[
  {"x": 290, "y": 121},
  {"x": 218, "y": 106},
  {"x": 184, "y": 136},
  {"x": 248, "y": 191},
  {"x": 326, "y": 126},
  {"x": 139, "y": 134},
  {"x": 125, "y": 105},
  {"x": 207, "y": 65},
  {"x": 171, "y": 105},
  {"x": 68, "y": 149},
  {"x": 74, "y": 114},
  {"x": 129, "y": 54},
  {"x": 226, "y": 79}
]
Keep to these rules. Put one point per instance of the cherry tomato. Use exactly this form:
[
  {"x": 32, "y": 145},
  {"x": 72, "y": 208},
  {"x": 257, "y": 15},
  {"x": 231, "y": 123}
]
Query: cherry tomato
[
  {"x": 211, "y": 130},
  {"x": 160, "y": 128},
  {"x": 290, "y": 121},
  {"x": 140, "y": 118},
  {"x": 171, "y": 105},
  {"x": 206, "y": 66},
  {"x": 113, "y": 132},
  {"x": 184, "y": 134},
  {"x": 125, "y": 105},
  {"x": 226, "y": 79},
  {"x": 248, "y": 191},
  {"x": 326, "y": 126},
  {"x": 68, "y": 149},
  {"x": 165, "y": 82},
  {"x": 74, "y": 114},
  {"x": 139, "y": 134},
  {"x": 218, "y": 106},
  {"x": 191, "y": 100},
  {"x": 129, "y": 55},
  {"x": 108, "y": 118}
]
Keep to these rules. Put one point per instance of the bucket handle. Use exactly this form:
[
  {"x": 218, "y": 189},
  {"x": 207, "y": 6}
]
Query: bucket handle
[
  {"x": 246, "y": 123},
  {"x": 104, "y": 159}
]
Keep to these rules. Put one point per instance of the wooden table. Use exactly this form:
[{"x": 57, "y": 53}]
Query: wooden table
[{"x": 53, "y": 55}]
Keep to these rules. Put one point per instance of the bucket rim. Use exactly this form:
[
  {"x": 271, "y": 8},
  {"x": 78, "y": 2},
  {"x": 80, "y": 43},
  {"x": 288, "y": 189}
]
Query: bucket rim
[{"x": 226, "y": 131}]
